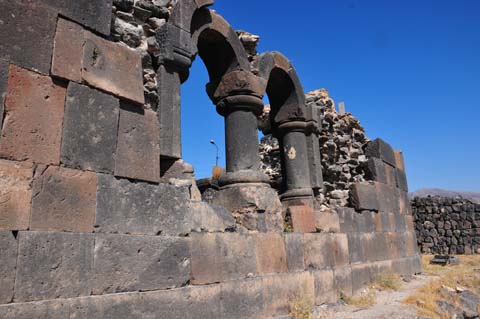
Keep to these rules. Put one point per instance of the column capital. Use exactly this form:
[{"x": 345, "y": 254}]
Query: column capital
[
  {"x": 233, "y": 103},
  {"x": 293, "y": 126}
]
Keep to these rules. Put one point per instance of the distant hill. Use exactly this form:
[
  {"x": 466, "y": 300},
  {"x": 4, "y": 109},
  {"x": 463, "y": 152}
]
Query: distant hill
[{"x": 424, "y": 192}]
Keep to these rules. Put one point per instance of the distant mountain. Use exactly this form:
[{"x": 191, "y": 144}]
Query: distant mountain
[{"x": 424, "y": 192}]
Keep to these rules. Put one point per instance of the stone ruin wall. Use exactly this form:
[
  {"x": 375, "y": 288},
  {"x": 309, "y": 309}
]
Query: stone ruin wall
[
  {"x": 447, "y": 225},
  {"x": 100, "y": 217}
]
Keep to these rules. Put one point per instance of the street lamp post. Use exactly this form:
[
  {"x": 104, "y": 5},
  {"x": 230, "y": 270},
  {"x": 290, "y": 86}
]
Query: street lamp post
[{"x": 216, "y": 158}]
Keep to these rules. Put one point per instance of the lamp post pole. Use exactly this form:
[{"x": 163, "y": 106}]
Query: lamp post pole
[{"x": 216, "y": 158}]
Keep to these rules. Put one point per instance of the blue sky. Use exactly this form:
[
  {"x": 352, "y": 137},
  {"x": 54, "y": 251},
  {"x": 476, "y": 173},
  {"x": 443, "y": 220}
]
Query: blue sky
[{"x": 409, "y": 70}]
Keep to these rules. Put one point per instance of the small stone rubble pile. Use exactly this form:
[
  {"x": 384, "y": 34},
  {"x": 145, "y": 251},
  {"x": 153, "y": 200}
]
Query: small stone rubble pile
[
  {"x": 342, "y": 143},
  {"x": 134, "y": 23},
  {"x": 447, "y": 225}
]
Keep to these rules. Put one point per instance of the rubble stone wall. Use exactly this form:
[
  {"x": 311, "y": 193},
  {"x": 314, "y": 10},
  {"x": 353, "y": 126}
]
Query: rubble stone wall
[
  {"x": 94, "y": 225},
  {"x": 447, "y": 225}
]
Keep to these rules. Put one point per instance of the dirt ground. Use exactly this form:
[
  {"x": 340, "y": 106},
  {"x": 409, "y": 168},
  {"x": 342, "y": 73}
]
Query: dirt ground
[{"x": 388, "y": 305}]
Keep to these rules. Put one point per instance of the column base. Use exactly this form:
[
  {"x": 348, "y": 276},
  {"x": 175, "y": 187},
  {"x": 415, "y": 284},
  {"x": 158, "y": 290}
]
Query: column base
[
  {"x": 303, "y": 196},
  {"x": 243, "y": 177}
]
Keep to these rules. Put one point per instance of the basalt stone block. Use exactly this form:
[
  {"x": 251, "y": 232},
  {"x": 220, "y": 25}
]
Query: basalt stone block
[
  {"x": 319, "y": 251},
  {"x": 63, "y": 200},
  {"x": 364, "y": 197},
  {"x": 53, "y": 265},
  {"x": 115, "y": 306},
  {"x": 8, "y": 251},
  {"x": 27, "y": 34},
  {"x": 222, "y": 257},
  {"x": 126, "y": 263},
  {"x": 399, "y": 161},
  {"x": 404, "y": 203},
  {"x": 3, "y": 86},
  {"x": 15, "y": 195},
  {"x": 295, "y": 252},
  {"x": 169, "y": 112},
  {"x": 32, "y": 128},
  {"x": 271, "y": 253},
  {"x": 356, "y": 248},
  {"x": 363, "y": 275},
  {"x": 343, "y": 281},
  {"x": 391, "y": 175},
  {"x": 369, "y": 218},
  {"x": 205, "y": 217},
  {"x": 327, "y": 221},
  {"x": 380, "y": 149},
  {"x": 400, "y": 224},
  {"x": 346, "y": 216},
  {"x": 138, "y": 150},
  {"x": 113, "y": 68},
  {"x": 58, "y": 309},
  {"x": 388, "y": 198},
  {"x": 303, "y": 220},
  {"x": 244, "y": 299},
  {"x": 359, "y": 223},
  {"x": 90, "y": 129},
  {"x": 401, "y": 180},
  {"x": 184, "y": 303},
  {"x": 280, "y": 290},
  {"x": 145, "y": 209},
  {"x": 375, "y": 170},
  {"x": 325, "y": 291},
  {"x": 68, "y": 50}
]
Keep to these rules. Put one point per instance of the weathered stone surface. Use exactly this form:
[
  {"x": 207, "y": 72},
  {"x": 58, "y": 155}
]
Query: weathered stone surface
[
  {"x": 19, "y": 39},
  {"x": 326, "y": 251},
  {"x": 302, "y": 217},
  {"x": 169, "y": 112},
  {"x": 295, "y": 252},
  {"x": 53, "y": 265},
  {"x": 58, "y": 309},
  {"x": 114, "y": 306},
  {"x": 145, "y": 209},
  {"x": 63, "y": 200},
  {"x": 271, "y": 253},
  {"x": 346, "y": 215},
  {"x": 90, "y": 129},
  {"x": 184, "y": 303},
  {"x": 95, "y": 14},
  {"x": 113, "y": 68},
  {"x": 327, "y": 221},
  {"x": 15, "y": 195},
  {"x": 325, "y": 291},
  {"x": 126, "y": 263},
  {"x": 343, "y": 281},
  {"x": 8, "y": 251},
  {"x": 399, "y": 161},
  {"x": 243, "y": 299},
  {"x": 364, "y": 196},
  {"x": 32, "y": 128},
  {"x": 380, "y": 149},
  {"x": 3, "y": 86},
  {"x": 68, "y": 50},
  {"x": 138, "y": 151},
  {"x": 280, "y": 290},
  {"x": 356, "y": 248},
  {"x": 222, "y": 257},
  {"x": 205, "y": 217},
  {"x": 253, "y": 207},
  {"x": 363, "y": 275},
  {"x": 388, "y": 200},
  {"x": 376, "y": 170},
  {"x": 401, "y": 180}
]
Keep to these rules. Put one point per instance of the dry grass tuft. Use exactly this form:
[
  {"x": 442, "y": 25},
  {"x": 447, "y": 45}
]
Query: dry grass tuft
[
  {"x": 448, "y": 278},
  {"x": 364, "y": 300},
  {"x": 388, "y": 280},
  {"x": 301, "y": 308}
]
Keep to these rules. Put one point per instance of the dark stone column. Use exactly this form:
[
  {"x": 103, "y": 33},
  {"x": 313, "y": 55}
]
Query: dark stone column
[
  {"x": 241, "y": 138},
  {"x": 314, "y": 126},
  {"x": 294, "y": 151}
]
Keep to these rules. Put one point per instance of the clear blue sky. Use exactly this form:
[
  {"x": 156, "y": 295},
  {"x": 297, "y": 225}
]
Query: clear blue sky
[{"x": 409, "y": 70}]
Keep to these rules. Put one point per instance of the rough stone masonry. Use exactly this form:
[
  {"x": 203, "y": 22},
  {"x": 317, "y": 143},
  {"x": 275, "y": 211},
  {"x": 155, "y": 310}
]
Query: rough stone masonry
[{"x": 101, "y": 218}]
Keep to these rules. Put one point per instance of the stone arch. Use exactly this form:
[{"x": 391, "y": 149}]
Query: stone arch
[
  {"x": 289, "y": 121},
  {"x": 194, "y": 30}
]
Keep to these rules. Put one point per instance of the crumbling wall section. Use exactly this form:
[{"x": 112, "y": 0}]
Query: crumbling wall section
[{"x": 447, "y": 225}]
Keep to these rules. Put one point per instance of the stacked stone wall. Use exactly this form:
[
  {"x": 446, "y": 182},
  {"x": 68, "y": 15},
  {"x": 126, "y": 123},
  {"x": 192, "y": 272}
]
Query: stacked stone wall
[
  {"x": 447, "y": 225},
  {"x": 94, "y": 225}
]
